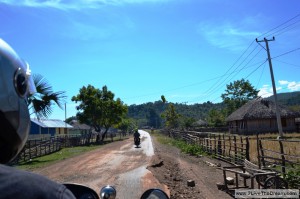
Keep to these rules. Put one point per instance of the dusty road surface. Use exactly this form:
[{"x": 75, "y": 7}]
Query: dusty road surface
[
  {"x": 133, "y": 170},
  {"x": 120, "y": 164}
]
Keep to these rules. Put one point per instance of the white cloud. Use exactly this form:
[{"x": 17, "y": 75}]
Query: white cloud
[
  {"x": 234, "y": 37},
  {"x": 74, "y": 4},
  {"x": 267, "y": 90},
  {"x": 283, "y": 82},
  {"x": 291, "y": 86}
]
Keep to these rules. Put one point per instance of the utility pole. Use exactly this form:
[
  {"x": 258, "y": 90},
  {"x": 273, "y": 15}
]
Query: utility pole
[{"x": 274, "y": 87}]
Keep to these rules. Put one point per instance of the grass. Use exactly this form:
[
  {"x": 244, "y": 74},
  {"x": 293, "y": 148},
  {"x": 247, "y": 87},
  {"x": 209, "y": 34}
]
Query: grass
[
  {"x": 191, "y": 149},
  {"x": 55, "y": 157},
  {"x": 290, "y": 148}
]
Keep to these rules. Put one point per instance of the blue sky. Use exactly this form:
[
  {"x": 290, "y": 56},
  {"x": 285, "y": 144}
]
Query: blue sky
[{"x": 187, "y": 50}]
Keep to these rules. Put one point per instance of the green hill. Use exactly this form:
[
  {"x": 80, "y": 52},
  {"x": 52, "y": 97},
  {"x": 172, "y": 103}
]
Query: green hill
[
  {"x": 149, "y": 114},
  {"x": 288, "y": 99}
]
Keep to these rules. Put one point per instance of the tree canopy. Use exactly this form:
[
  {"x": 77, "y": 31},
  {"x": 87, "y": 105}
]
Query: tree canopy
[
  {"x": 238, "y": 93},
  {"x": 41, "y": 103},
  {"x": 98, "y": 108},
  {"x": 171, "y": 116}
]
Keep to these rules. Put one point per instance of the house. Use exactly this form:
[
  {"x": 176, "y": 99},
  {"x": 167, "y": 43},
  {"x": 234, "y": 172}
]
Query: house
[
  {"x": 48, "y": 127},
  {"x": 79, "y": 129},
  {"x": 259, "y": 116},
  {"x": 200, "y": 123}
]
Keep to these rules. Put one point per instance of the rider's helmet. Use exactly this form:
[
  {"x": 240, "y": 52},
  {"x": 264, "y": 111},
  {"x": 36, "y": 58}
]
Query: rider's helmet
[{"x": 15, "y": 86}]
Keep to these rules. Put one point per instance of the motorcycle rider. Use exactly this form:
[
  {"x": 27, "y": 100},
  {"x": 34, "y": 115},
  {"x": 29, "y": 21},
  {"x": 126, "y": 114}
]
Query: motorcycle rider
[
  {"x": 136, "y": 136},
  {"x": 15, "y": 86}
]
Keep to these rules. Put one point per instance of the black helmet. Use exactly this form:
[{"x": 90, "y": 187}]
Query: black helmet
[{"x": 15, "y": 85}]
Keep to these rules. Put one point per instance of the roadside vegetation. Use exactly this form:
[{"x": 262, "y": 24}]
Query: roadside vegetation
[
  {"x": 62, "y": 154},
  {"x": 56, "y": 156},
  {"x": 191, "y": 149}
]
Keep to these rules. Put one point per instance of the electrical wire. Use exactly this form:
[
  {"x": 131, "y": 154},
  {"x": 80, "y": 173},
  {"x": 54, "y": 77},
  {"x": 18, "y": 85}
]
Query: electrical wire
[
  {"x": 286, "y": 53},
  {"x": 267, "y": 33},
  {"x": 298, "y": 66}
]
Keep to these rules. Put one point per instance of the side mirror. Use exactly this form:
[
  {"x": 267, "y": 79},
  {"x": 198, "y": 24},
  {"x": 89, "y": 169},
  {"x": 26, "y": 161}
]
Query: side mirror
[
  {"x": 108, "y": 192},
  {"x": 81, "y": 191},
  {"x": 154, "y": 193}
]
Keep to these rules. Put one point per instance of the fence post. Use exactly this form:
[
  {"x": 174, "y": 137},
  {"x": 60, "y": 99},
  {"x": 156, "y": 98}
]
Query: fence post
[
  {"x": 215, "y": 144},
  {"x": 262, "y": 153},
  {"x": 230, "y": 148},
  {"x": 29, "y": 149},
  {"x": 235, "y": 150},
  {"x": 224, "y": 145},
  {"x": 247, "y": 149},
  {"x": 282, "y": 158},
  {"x": 220, "y": 152}
]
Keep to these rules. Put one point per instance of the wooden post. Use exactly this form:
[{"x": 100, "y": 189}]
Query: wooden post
[
  {"x": 224, "y": 145},
  {"x": 215, "y": 144},
  {"x": 229, "y": 137},
  {"x": 282, "y": 158},
  {"x": 247, "y": 149},
  {"x": 262, "y": 153},
  {"x": 29, "y": 149},
  {"x": 235, "y": 150},
  {"x": 220, "y": 152}
]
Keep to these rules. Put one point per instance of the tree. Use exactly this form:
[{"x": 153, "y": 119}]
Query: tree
[
  {"x": 98, "y": 108},
  {"x": 153, "y": 118},
  {"x": 237, "y": 94},
  {"x": 171, "y": 116},
  {"x": 187, "y": 122},
  {"x": 216, "y": 118},
  {"x": 127, "y": 125},
  {"x": 41, "y": 103}
]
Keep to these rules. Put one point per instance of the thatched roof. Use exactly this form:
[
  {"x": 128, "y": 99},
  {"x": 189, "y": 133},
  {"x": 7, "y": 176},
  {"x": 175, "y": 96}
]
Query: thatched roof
[
  {"x": 260, "y": 108},
  {"x": 200, "y": 123}
]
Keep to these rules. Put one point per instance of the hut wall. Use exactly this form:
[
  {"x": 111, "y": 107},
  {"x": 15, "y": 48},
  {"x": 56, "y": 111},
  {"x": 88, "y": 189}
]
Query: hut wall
[{"x": 269, "y": 125}]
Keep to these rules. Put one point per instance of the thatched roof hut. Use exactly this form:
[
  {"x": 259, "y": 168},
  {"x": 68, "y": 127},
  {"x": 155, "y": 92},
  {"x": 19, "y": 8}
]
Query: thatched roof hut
[
  {"x": 200, "y": 122},
  {"x": 259, "y": 115},
  {"x": 260, "y": 108}
]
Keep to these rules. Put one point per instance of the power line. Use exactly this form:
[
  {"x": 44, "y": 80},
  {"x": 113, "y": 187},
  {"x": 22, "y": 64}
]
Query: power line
[
  {"x": 278, "y": 26},
  {"x": 287, "y": 63},
  {"x": 261, "y": 75},
  {"x": 255, "y": 70},
  {"x": 279, "y": 33},
  {"x": 286, "y": 53},
  {"x": 216, "y": 85}
]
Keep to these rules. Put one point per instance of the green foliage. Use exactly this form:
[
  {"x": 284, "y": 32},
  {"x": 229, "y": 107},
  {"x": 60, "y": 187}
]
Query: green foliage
[
  {"x": 295, "y": 108},
  {"x": 196, "y": 111},
  {"x": 127, "y": 125},
  {"x": 41, "y": 103},
  {"x": 293, "y": 178},
  {"x": 98, "y": 108},
  {"x": 57, "y": 156},
  {"x": 181, "y": 144},
  {"x": 288, "y": 99},
  {"x": 216, "y": 118},
  {"x": 238, "y": 93},
  {"x": 187, "y": 122},
  {"x": 163, "y": 99},
  {"x": 171, "y": 116}
]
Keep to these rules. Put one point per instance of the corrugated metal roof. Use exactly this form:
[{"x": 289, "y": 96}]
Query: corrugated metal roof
[{"x": 51, "y": 123}]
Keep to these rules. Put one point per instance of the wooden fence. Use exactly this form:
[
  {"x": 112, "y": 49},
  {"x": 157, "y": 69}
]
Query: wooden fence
[
  {"x": 282, "y": 156},
  {"x": 229, "y": 148},
  {"x": 40, "y": 147}
]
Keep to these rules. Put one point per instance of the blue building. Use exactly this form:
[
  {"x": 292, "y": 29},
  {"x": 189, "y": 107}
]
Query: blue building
[{"x": 48, "y": 127}]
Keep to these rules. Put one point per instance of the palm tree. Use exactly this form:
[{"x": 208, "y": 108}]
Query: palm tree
[{"x": 41, "y": 103}]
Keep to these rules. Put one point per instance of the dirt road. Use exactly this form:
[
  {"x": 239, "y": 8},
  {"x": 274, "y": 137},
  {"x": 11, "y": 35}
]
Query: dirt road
[
  {"x": 133, "y": 170},
  {"x": 120, "y": 164}
]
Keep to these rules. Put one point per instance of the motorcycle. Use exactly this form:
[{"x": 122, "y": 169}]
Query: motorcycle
[
  {"x": 109, "y": 192},
  {"x": 137, "y": 141}
]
